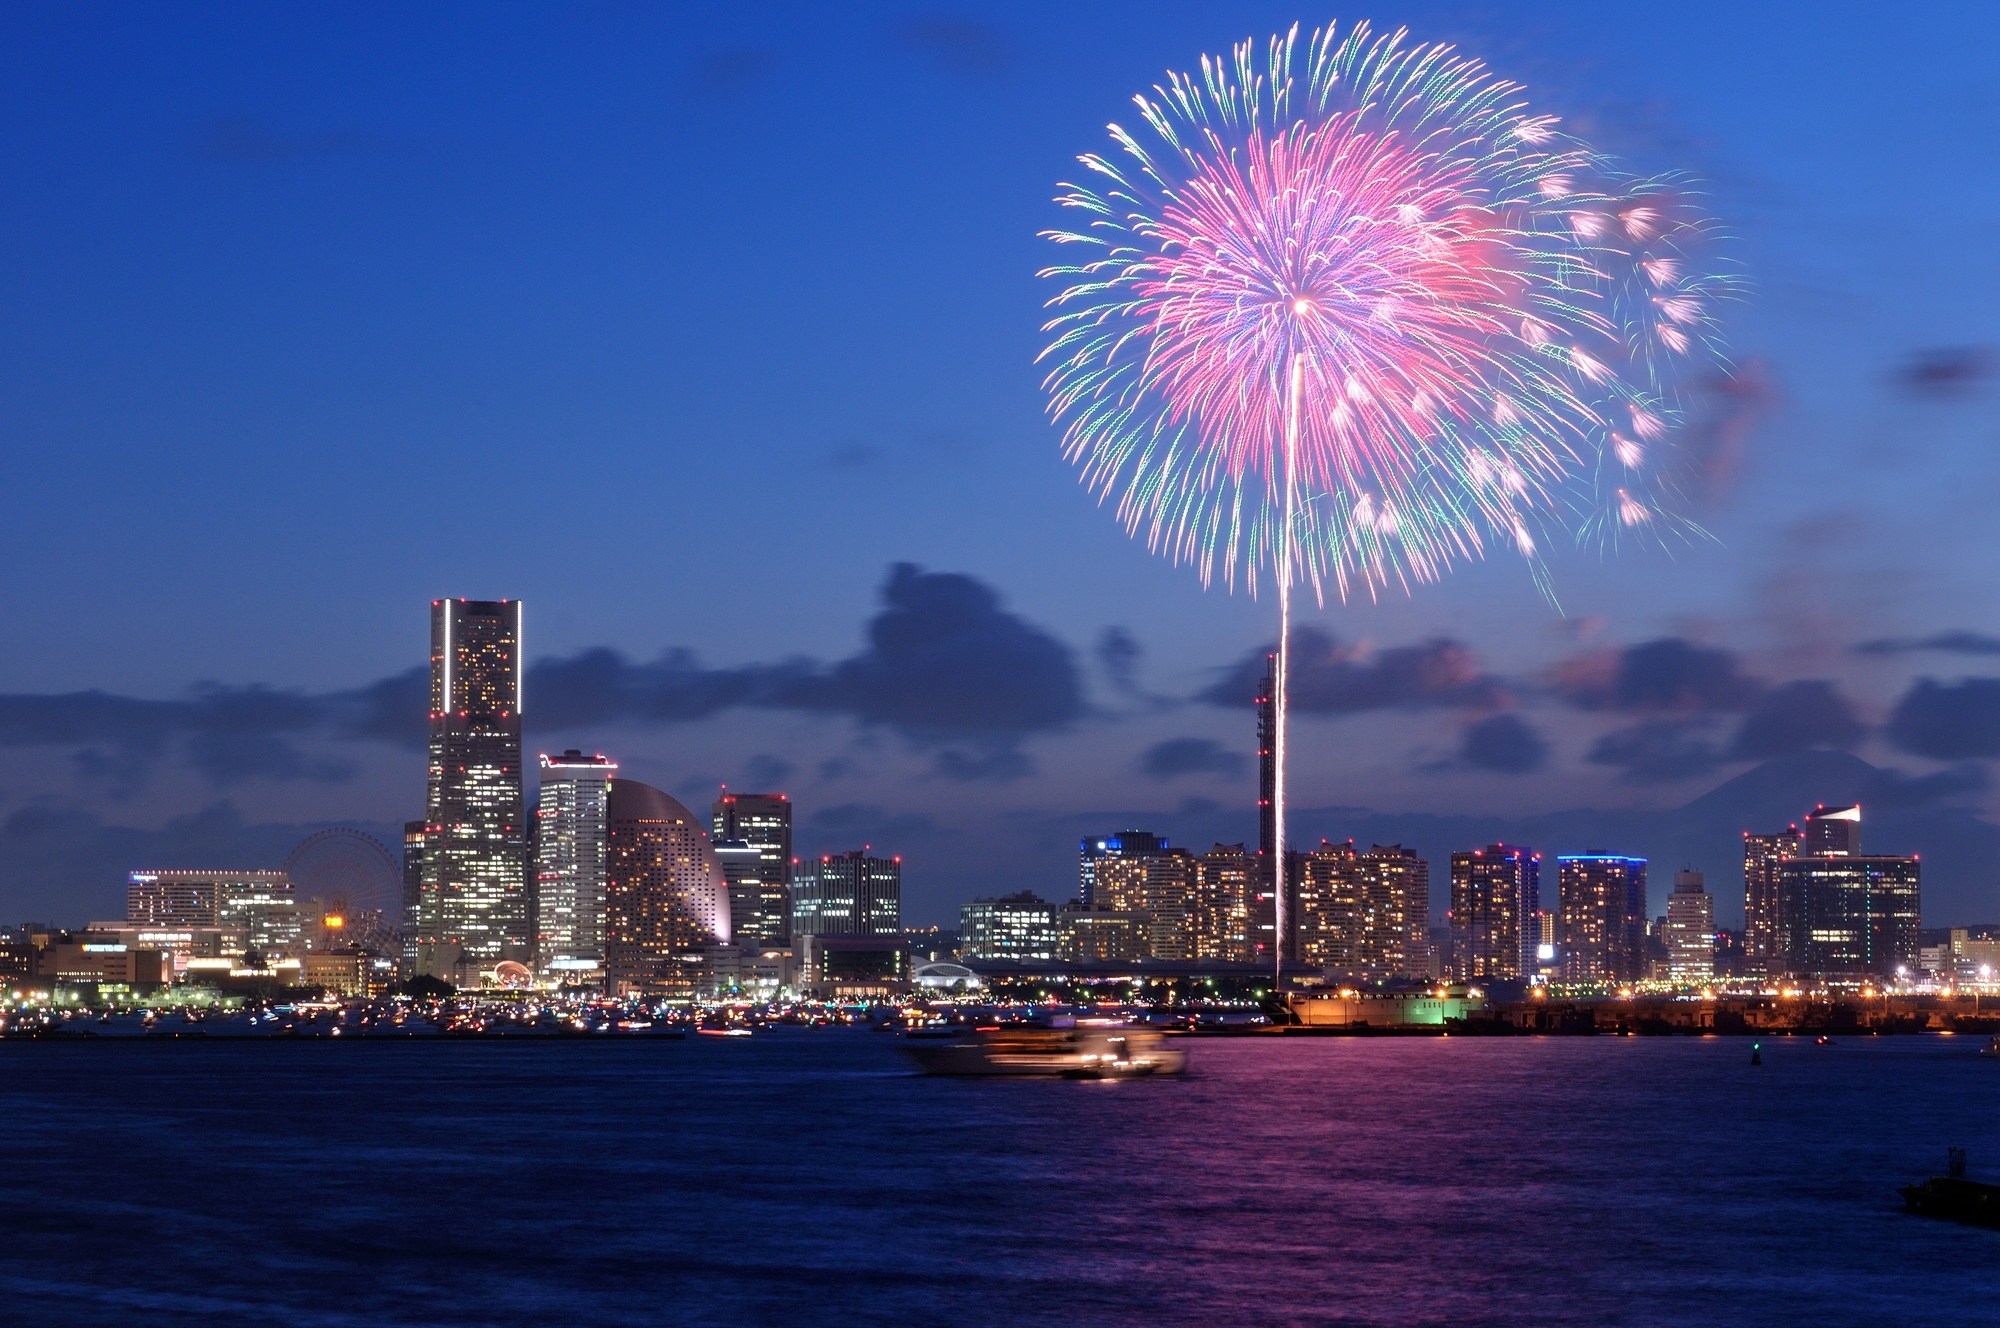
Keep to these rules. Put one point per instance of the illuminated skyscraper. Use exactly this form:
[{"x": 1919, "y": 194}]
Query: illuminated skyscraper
[
  {"x": 1767, "y": 927},
  {"x": 760, "y": 884},
  {"x": 474, "y": 902},
  {"x": 570, "y": 848},
  {"x": 413, "y": 891},
  {"x": 1017, "y": 926},
  {"x": 1602, "y": 917},
  {"x": 1263, "y": 907},
  {"x": 1833, "y": 831},
  {"x": 1496, "y": 893},
  {"x": 1690, "y": 931},
  {"x": 848, "y": 894},
  {"x": 1135, "y": 871},
  {"x": 665, "y": 899},
  {"x": 1363, "y": 913},
  {"x": 1225, "y": 887},
  {"x": 1851, "y": 917}
]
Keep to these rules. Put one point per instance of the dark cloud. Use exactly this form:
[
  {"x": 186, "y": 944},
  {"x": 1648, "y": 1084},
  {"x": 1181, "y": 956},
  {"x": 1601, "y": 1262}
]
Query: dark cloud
[
  {"x": 1668, "y": 676},
  {"x": 943, "y": 659},
  {"x": 765, "y": 772},
  {"x": 962, "y": 46},
  {"x": 945, "y": 668},
  {"x": 1328, "y": 678},
  {"x": 1794, "y": 717},
  {"x": 1723, "y": 414},
  {"x": 1959, "y": 642},
  {"x": 1892, "y": 790},
  {"x": 1190, "y": 756},
  {"x": 737, "y": 69},
  {"x": 1658, "y": 751},
  {"x": 854, "y": 456},
  {"x": 1505, "y": 743},
  {"x": 996, "y": 763},
  {"x": 850, "y": 825},
  {"x": 243, "y": 138},
  {"x": 1945, "y": 373},
  {"x": 1949, "y": 721},
  {"x": 1118, "y": 654}
]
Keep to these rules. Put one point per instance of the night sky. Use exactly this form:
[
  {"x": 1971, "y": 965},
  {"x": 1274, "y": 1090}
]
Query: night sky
[{"x": 711, "y": 335}]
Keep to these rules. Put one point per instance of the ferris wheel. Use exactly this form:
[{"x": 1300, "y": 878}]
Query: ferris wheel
[{"x": 346, "y": 865}]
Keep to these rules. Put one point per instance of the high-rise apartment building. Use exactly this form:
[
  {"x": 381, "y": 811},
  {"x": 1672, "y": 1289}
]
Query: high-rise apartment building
[
  {"x": 474, "y": 903},
  {"x": 1225, "y": 888},
  {"x": 571, "y": 846},
  {"x": 1016, "y": 926},
  {"x": 665, "y": 899},
  {"x": 1767, "y": 927},
  {"x": 1329, "y": 906},
  {"x": 1601, "y": 917},
  {"x": 1851, "y": 917},
  {"x": 1136, "y": 871},
  {"x": 760, "y": 888},
  {"x": 1690, "y": 934},
  {"x": 1363, "y": 914},
  {"x": 848, "y": 894},
  {"x": 1496, "y": 899}
]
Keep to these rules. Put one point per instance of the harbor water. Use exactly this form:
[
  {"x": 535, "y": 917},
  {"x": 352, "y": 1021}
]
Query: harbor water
[{"x": 808, "y": 1176}]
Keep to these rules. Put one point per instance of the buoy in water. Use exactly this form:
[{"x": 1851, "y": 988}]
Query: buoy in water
[{"x": 1756, "y": 1053}]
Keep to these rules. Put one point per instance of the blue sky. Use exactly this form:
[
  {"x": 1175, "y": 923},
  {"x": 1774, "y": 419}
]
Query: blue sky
[{"x": 687, "y": 326}]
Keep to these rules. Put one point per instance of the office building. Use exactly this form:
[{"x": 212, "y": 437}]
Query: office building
[
  {"x": 1690, "y": 931},
  {"x": 760, "y": 887},
  {"x": 1601, "y": 917},
  {"x": 1851, "y": 917},
  {"x": 474, "y": 903},
  {"x": 666, "y": 903},
  {"x": 572, "y": 823},
  {"x": 848, "y": 894},
  {"x": 1767, "y": 927},
  {"x": 1017, "y": 926},
  {"x": 1225, "y": 889},
  {"x": 1496, "y": 900},
  {"x": 252, "y": 910},
  {"x": 413, "y": 892},
  {"x": 1833, "y": 831},
  {"x": 186, "y": 898}
]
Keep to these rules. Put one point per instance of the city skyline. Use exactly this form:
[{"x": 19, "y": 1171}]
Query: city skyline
[{"x": 1086, "y": 685}]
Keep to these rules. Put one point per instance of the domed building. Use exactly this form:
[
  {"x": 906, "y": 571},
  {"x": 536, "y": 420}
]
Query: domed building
[{"x": 665, "y": 900}]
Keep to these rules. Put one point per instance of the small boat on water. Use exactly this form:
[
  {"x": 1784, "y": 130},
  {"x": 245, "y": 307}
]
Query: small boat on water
[
  {"x": 1087, "y": 1050},
  {"x": 1991, "y": 1049},
  {"x": 1954, "y": 1197}
]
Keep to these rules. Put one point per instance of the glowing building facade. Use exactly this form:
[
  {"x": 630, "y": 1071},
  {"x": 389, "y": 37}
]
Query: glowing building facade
[
  {"x": 474, "y": 899},
  {"x": 1225, "y": 893},
  {"x": 848, "y": 894},
  {"x": 760, "y": 882},
  {"x": 1496, "y": 897},
  {"x": 1690, "y": 933},
  {"x": 1362, "y": 914},
  {"x": 1601, "y": 918},
  {"x": 1016, "y": 926},
  {"x": 1849, "y": 917},
  {"x": 572, "y": 825},
  {"x": 665, "y": 900},
  {"x": 1767, "y": 925}
]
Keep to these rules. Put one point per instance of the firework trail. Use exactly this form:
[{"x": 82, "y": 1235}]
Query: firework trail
[{"x": 1358, "y": 323}]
